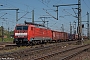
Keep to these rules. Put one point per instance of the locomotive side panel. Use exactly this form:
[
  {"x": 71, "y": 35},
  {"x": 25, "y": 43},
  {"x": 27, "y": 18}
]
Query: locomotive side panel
[
  {"x": 30, "y": 33},
  {"x": 41, "y": 34}
]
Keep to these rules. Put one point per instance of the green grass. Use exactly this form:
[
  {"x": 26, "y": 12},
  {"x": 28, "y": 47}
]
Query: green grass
[
  {"x": 6, "y": 39},
  {"x": 86, "y": 41}
]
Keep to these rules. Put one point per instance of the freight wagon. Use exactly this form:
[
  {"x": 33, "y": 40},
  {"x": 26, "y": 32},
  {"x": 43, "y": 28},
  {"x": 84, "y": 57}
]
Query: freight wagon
[{"x": 59, "y": 36}]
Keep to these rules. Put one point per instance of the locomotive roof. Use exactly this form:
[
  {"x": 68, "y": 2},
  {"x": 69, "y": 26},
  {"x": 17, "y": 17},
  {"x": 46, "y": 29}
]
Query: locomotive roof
[
  {"x": 32, "y": 25},
  {"x": 21, "y": 25}
]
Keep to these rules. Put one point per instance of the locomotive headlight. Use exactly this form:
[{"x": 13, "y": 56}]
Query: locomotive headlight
[{"x": 20, "y": 34}]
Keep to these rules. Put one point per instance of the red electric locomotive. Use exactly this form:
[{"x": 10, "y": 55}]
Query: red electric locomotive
[{"x": 28, "y": 33}]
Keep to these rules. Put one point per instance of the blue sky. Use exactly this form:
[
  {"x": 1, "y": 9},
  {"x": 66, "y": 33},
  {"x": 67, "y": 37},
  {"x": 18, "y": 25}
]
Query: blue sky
[{"x": 40, "y": 7}]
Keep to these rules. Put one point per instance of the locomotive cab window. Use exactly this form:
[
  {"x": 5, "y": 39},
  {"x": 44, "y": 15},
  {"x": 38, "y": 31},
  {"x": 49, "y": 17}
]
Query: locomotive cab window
[
  {"x": 21, "y": 27},
  {"x": 25, "y": 27}
]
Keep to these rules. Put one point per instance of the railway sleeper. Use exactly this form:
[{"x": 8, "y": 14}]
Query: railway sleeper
[
  {"x": 53, "y": 54},
  {"x": 74, "y": 54}
]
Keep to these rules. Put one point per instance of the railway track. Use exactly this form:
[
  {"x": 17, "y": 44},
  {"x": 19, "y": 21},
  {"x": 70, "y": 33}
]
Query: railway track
[
  {"x": 7, "y": 46},
  {"x": 39, "y": 53},
  {"x": 18, "y": 54},
  {"x": 83, "y": 56},
  {"x": 64, "y": 55}
]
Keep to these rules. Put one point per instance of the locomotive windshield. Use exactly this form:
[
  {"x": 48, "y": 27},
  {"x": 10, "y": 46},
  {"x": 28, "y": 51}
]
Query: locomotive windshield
[{"x": 21, "y": 27}]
